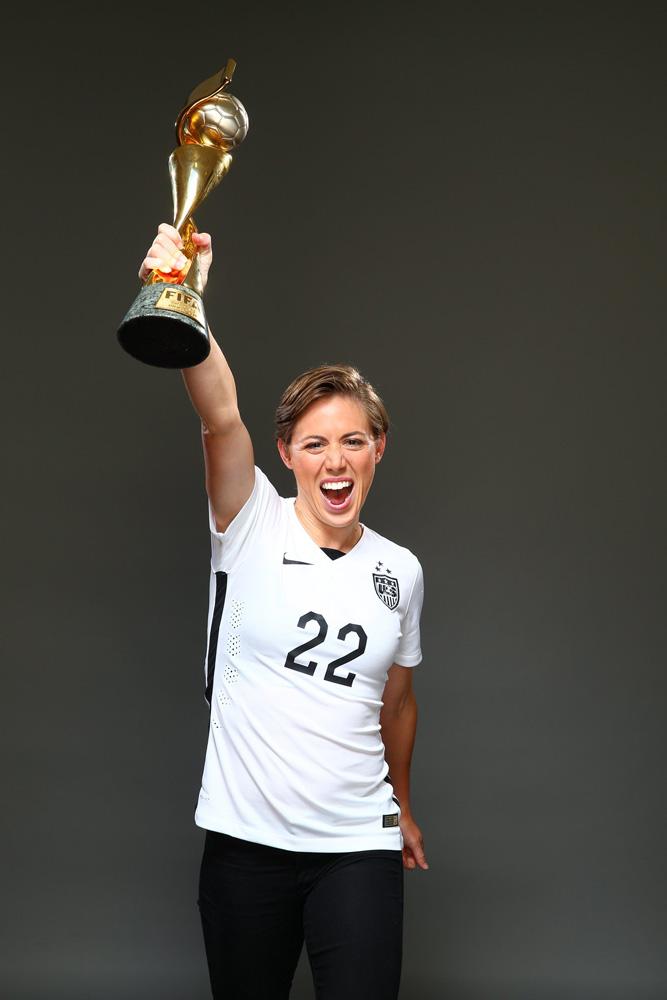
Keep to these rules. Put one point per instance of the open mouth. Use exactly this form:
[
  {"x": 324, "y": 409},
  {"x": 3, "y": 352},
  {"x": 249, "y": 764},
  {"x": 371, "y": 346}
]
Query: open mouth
[{"x": 337, "y": 493}]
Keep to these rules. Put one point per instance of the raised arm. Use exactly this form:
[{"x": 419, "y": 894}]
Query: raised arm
[{"x": 228, "y": 454}]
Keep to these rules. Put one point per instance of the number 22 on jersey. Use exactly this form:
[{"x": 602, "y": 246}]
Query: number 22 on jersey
[{"x": 309, "y": 668}]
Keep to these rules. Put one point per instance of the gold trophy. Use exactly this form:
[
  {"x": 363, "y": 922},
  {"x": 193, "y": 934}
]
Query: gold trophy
[{"x": 166, "y": 324}]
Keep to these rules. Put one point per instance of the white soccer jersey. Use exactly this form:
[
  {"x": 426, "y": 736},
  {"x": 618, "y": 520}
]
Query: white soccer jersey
[{"x": 299, "y": 646}]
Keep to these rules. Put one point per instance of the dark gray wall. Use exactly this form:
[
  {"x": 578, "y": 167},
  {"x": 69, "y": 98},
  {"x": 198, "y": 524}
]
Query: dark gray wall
[{"x": 469, "y": 203}]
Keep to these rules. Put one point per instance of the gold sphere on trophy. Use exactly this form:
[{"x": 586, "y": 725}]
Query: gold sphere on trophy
[{"x": 218, "y": 121}]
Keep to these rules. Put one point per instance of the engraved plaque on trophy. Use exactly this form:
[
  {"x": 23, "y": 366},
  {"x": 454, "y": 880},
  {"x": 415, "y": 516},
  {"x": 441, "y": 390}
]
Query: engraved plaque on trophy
[{"x": 166, "y": 324}]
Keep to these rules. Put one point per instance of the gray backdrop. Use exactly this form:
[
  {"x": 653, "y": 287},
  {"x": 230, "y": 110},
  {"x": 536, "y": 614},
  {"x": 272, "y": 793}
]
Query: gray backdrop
[{"x": 468, "y": 201}]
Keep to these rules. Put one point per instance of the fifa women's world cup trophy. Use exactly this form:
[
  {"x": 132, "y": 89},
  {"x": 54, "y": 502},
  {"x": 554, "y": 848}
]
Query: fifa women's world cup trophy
[{"x": 166, "y": 324}]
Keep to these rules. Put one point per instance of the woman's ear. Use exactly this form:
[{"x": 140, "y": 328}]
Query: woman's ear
[
  {"x": 380, "y": 445},
  {"x": 284, "y": 452}
]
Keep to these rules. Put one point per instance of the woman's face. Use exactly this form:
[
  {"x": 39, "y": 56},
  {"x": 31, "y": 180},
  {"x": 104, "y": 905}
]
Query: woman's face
[{"x": 333, "y": 458}]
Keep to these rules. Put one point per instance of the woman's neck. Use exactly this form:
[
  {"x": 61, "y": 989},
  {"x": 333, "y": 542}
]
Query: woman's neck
[{"x": 325, "y": 535}]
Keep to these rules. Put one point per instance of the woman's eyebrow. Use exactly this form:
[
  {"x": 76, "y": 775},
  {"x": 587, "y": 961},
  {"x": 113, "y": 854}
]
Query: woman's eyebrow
[{"x": 321, "y": 437}]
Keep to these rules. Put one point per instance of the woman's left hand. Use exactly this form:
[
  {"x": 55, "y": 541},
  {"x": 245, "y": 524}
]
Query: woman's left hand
[{"x": 413, "y": 844}]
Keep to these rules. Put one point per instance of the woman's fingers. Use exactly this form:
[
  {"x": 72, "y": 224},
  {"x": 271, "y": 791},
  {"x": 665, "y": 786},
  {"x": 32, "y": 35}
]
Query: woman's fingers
[
  {"x": 169, "y": 246},
  {"x": 158, "y": 257},
  {"x": 204, "y": 248},
  {"x": 414, "y": 858},
  {"x": 170, "y": 231},
  {"x": 205, "y": 253},
  {"x": 202, "y": 241},
  {"x": 413, "y": 846},
  {"x": 151, "y": 264},
  {"x": 169, "y": 249},
  {"x": 419, "y": 856},
  {"x": 165, "y": 252}
]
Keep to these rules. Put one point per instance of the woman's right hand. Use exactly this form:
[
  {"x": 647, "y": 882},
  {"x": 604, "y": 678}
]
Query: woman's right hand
[{"x": 165, "y": 253}]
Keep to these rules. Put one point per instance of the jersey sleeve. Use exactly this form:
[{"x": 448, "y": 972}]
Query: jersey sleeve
[
  {"x": 255, "y": 519},
  {"x": 409, "y": 652}
]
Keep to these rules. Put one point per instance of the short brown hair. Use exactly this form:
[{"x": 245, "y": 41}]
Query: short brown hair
[{"x": 329, "y": 380}]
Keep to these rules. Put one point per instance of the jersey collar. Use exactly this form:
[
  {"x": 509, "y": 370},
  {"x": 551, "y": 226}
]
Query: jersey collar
[{"x": 304, "y": 548}]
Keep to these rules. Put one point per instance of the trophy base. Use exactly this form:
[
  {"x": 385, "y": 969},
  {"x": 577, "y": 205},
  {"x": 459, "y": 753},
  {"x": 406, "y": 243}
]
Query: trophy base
[{"x": 166, "y": 327}]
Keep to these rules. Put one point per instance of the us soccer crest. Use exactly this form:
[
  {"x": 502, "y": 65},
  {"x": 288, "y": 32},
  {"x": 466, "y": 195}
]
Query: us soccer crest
[{"x": 386, "y": 587}]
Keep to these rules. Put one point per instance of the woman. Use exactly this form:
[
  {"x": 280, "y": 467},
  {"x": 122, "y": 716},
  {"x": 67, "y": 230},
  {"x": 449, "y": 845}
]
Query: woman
[{"x": 313, "y": 630}]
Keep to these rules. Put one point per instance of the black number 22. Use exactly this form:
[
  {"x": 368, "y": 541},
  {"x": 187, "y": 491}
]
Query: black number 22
[{"x": 309, "y": 668}]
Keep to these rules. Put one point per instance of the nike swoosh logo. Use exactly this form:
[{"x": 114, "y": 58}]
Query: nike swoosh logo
[{"x": 294, "y": 562}]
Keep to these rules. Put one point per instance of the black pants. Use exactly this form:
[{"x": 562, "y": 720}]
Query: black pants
[{"x": 258, "y": 904}]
